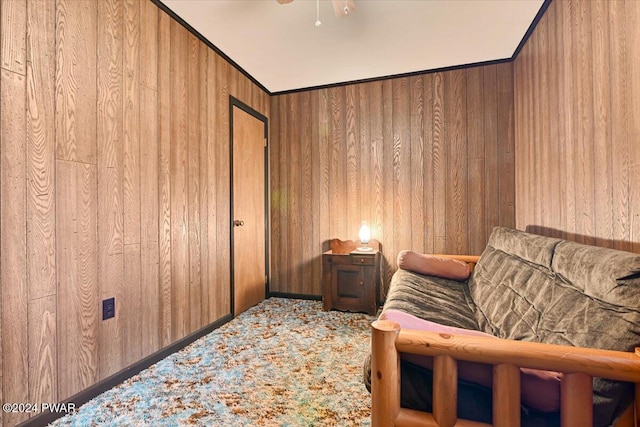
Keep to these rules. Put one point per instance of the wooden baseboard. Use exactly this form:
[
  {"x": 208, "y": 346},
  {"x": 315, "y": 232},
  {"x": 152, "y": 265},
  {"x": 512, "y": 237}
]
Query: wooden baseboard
[{"x": 295, "y": 296}]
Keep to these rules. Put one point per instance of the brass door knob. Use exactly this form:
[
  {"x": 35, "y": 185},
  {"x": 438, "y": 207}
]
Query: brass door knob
[{"x": 238, "y": 223}]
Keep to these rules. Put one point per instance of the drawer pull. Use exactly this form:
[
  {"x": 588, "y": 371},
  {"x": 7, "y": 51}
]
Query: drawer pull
[{"x": 362, "y": 260}]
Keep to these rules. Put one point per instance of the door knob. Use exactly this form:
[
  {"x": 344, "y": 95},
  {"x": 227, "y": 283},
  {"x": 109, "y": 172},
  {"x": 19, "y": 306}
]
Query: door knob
[{"x": 238, "y": 223}]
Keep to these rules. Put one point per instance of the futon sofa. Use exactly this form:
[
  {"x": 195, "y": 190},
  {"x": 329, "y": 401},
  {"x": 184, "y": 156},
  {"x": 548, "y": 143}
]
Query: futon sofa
[{"x": 542, "y": 332}]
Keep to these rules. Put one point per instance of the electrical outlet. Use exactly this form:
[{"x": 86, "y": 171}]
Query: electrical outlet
[{"x": 108, "y": 308}]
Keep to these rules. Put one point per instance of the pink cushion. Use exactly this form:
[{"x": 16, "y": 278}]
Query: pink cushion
[
  {"x": 539, "y": 389},
  {"x": 432, "y": 265}
]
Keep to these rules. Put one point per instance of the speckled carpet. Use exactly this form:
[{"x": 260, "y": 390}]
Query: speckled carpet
[{"x": 281, "y": 363}]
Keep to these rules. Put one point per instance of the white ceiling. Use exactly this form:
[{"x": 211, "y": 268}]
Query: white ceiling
[{"x": 282, "y": 49}]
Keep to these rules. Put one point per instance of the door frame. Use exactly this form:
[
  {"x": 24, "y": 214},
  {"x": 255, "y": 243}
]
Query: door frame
[{"x": 235, "y": 102}]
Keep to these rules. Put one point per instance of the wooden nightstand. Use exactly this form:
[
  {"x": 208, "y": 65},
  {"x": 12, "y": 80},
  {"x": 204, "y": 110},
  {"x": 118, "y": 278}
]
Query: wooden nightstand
[{"x": 351, "y": 279}]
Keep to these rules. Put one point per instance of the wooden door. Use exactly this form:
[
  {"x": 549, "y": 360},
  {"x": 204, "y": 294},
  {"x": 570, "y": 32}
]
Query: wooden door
[{"x": 249, "y": 207}]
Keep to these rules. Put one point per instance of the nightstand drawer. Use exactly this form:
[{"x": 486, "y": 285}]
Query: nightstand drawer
[{"x": 362, "y": 260}]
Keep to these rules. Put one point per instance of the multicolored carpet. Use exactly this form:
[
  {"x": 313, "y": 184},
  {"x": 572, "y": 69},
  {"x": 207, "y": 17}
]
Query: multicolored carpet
[{"x": 281, "y": 363}]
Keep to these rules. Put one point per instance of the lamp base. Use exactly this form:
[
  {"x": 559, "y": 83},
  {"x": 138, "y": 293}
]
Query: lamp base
[{"x": 364, "y": 249}]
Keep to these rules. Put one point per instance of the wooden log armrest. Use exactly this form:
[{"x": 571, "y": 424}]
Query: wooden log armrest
[{"x": 579, "y": 366}]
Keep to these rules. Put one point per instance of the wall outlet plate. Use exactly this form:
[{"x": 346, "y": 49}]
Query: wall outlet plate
[{"x": 108, "y": 308}]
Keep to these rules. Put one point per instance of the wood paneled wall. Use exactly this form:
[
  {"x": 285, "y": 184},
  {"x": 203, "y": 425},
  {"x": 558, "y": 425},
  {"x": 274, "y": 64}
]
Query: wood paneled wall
[
  {"x": 114, "y": 181},
  {"x": 577, "y": 104},
  {"x": 428, "y": 161}
]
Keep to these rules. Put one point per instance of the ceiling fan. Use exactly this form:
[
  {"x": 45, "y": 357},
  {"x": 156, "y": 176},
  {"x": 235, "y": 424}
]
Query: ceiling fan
[{"x": 340, "y": 7}]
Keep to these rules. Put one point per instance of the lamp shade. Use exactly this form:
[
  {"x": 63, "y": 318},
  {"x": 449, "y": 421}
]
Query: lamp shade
[{"x": 365, "y": 233}]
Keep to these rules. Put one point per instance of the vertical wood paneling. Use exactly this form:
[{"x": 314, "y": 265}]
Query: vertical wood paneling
[
  {"x": 115, "y": 183},
  {"x": 193, "y": 183},
  {"x": 401, "y": 125},
  {"x": 305, "y": 196},
  {"x": 315, "y": 190},
  {"x": 41, "y": 243},
  {"x": 583, "y": 76},
  {"x": 506, "y": 154},
  {"x": 633, "y": 97},
  {"x": 325, "y": 168},
  {"x": 215, "y": 309},
  {"x": 294, "y": 220},
  {"x": 203, "y": 208},
  {"x": 456, "y": 153},
  {"x": 428, "y": 162},
  {"x": 389, "y": 230},
  {"x": 439, "y": 166},
  {"x": 283, "y": 194},
  {"x": 569, "y": 100},
  {"x": 601, "y": 131},
  {"x": 131, "y": 144},
  {"x": 164, "y": 178},
  {"x": 76, "y": 29},
  {"x": 110, "y": 181},
  {"x": 425, "y": 152},
  {"x": 149, "y": 45},
  {"x": 416, "y": 160},
  {"x": 13, "y": 41},
  {"x": 555, "y": 151},
  {"x": 491, "y": 165},
  {"x": 619, "y": 140},
  {"x": 180, "y": 310},
  {"x": 223, "y": 231},
  {"x": 13, "y": 253},
  {"x": 149, "y": 179},
  {"x": 475, "y": 150},
  {"x": 275, "y": 195},
  {"x": 76, "y": 255},
  {"x": 40, "y": 154},
  {"x": 585, "y": 56},
  {"x": 337, "y": 160},
  {"x": 149, "y": 216},
  {"x": 352, "y": 145},
  {"x": 42, "y": 350}
]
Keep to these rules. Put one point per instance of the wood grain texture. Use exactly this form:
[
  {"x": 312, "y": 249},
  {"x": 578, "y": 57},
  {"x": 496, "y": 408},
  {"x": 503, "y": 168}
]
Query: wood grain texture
[
  {"x": 40, "y": 199},
  {"x": 13, "y": 242},
  {"x": 193, "y": 182},
  {"x": 249, "y": 207},
  {"x": 13, "y": 55},
  {"x": 584, "y": 57},
  {"x": 131, "y": 120},
  {"x": 164, "y": 176},
  {"x": 40, "y": 150},
  {"x": 76, "y": 33},
  {"x": 76, "y": 258},
  {"x": 149, "y": 45},
  {"x": 633, "y": 44},
  {"x": 395, "y": 153},
  {"x": 211, "y": 199},
  {"x": 110, "y": 182},
  {"x": 203, "y": 208},
  {"x": 115, "y": 175},
  {"x": 149, "y": 221},
  {"x": 129, "y": 307},
  {"x": 180, "y": 309},
  {"x": 132, "y": 299},
  {"x": 43, "y": 361},
  {"x": 114, "y": 170},
  {"x": 223, "y": 245}
]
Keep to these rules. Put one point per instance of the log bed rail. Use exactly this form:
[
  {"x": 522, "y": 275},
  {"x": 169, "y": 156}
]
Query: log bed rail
[{"x": 578, "y": 365}]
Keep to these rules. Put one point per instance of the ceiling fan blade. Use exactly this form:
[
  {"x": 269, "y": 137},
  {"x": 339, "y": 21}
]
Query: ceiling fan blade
[
  {"x": 284, "y": 1},
  {"x": 343, "y": 7}
]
